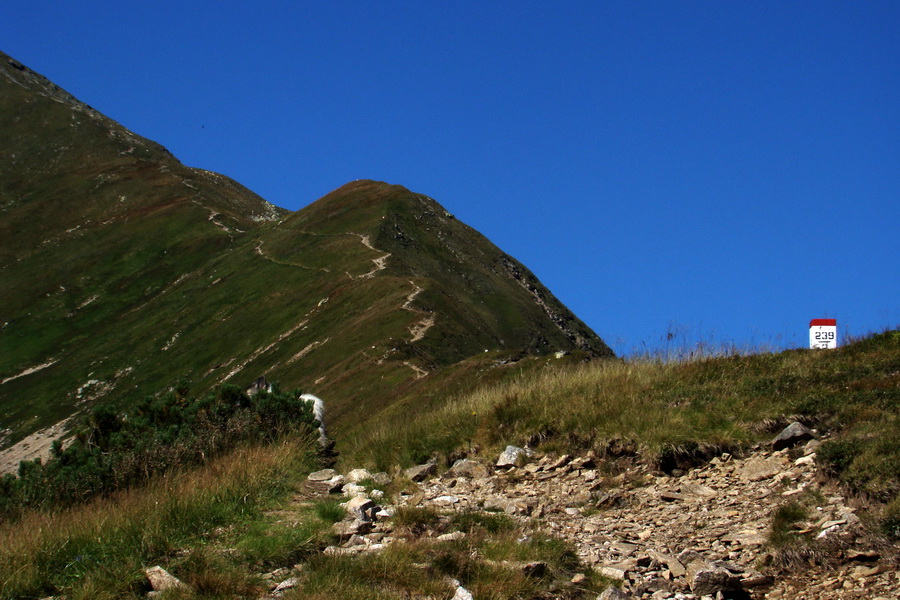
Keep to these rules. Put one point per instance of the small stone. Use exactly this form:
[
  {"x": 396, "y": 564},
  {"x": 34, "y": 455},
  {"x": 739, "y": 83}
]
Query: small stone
[
  {"x": 809, "y": 459},
  {"x": 466, "y": 467},
  {"x": 670, "y": 496},
  {"x": 671, "y": 562},
  {"x": 451, "y": 537},
  {"x": 161, "y": 580},
  {"x": 535, "y": 569},
  {"x": 357, "y": 475},
  {"x": 613, "y": 593},
  {"x": 323, "y": 475},
  {"x": 613, "y": 572},
  {"x": 336, "y": 484},
  {"x": 578, "y": 578},
  {"x": 757, "y": 469},
  {"x": 559, "y": 462},
  {"x": 861, "y": 571},
  {"x": 698, "y": 490},
  {"x": 755, "y": 580},
  {"x": 707, "y": 579},
  {"x": 286, "y": 584},
  {"x": 344, "y": 530},
  {"x": 863, "y": 556}
]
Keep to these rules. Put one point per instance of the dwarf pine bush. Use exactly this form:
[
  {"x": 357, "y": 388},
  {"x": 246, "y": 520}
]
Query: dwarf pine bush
[{"x": 113, "y": 451}]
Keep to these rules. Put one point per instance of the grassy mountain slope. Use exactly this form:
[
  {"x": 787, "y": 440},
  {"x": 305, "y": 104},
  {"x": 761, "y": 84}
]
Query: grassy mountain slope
[
  {"x": 667, "y": 415},
  {"x": 123, "y": 270}
]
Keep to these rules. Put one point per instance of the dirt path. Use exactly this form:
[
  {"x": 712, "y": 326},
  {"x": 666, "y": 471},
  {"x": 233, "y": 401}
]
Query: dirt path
[
  {"x": 380, "y": 262},
  {"x": 259, "y": 250},
  {"x": 418, "y": 330}
]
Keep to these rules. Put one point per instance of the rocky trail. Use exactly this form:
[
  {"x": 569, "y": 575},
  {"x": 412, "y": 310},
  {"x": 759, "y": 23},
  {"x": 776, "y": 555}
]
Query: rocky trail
[{"x": 697, "y": 535}]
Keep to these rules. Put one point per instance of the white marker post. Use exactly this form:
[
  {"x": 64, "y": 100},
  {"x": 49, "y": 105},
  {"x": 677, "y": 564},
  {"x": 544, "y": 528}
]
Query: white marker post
[{"x": 823, "y": 334}]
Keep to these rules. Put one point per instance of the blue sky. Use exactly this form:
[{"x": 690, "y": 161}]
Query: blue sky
[{"x": 724, "y": 171}]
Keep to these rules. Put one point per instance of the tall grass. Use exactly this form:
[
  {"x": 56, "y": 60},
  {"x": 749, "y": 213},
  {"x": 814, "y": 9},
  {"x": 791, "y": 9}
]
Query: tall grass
[
  {"x": 98, "y": 550},
  {"x": 670, "y": 411}
]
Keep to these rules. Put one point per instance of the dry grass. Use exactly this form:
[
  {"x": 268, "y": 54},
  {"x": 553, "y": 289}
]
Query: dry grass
[
  {"x": 100, "y": 548},
  {"x": 671, "y": 412}
]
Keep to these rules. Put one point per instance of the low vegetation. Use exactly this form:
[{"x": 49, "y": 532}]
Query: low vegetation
[
  {"x": 98, "y": 550},
  {"x": 496, "y": 559},
  {"x": 112, "y": 451}
]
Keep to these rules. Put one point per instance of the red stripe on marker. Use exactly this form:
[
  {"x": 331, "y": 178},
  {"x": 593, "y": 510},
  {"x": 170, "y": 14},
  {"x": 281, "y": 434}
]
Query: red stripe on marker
[{"x": 821, "y": 322}]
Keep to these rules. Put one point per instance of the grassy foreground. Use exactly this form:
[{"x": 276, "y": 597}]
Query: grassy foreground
[
  {"x": 673, "y": 414},
  {"x": 98, "y": 550}
]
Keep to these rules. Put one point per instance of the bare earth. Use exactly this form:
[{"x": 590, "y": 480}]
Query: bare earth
[{"x": 36, "y": 445}]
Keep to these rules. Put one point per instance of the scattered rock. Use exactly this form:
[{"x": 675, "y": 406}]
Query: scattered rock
[
  {"x": 717, "y": 515},
  {"x": 461, "y": 592}
]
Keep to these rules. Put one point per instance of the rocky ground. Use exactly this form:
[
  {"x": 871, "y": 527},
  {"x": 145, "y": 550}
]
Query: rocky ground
[{"x": 700, "y": 534}]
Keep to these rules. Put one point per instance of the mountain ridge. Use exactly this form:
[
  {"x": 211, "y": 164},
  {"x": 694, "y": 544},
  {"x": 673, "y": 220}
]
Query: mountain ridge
[{"x": 124, "y": 271}]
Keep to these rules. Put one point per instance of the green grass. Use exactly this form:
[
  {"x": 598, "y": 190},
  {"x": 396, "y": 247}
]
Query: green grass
[{"x": 784, "y": 522}]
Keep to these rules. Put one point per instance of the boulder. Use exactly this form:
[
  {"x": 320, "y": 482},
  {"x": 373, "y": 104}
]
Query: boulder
[
  {"x": 511, "y": 456},
  {"x": 466, "y": 467},
  {"x": 757, "y": 468},
  {"x": 381, "y": 478},
  {"x": 161, "y": 580},
  {"x": 352, "y": 489},
  {"x": 420, "y": 472},
  {"x": 362, "y": 508},
  {"x": 792, "y": 435},
  {"x": 344, "y": 530},
  {"x": 707, "y": 579}
]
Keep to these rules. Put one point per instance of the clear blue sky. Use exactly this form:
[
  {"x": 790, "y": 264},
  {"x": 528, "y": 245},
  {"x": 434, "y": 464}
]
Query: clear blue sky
[{"x": 722, "y": 170}]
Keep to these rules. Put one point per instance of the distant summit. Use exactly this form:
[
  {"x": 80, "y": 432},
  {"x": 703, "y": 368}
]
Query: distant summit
[{"x": 124, "y": 271}]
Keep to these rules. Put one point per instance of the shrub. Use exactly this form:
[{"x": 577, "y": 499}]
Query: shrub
[{"x": 113, "y": 451}]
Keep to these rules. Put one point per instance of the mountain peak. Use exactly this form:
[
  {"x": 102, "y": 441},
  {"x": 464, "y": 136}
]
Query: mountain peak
[{"x": 127, "y": 271}]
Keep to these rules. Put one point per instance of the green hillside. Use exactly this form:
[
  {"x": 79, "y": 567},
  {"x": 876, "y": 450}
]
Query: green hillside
[{"x": 124, "y": 271}]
